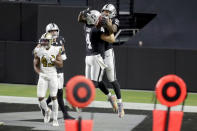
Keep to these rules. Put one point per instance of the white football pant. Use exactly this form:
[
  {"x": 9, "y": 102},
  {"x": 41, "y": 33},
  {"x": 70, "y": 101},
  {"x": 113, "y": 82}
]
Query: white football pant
[
  {"x": 47, "y": 81},
  {"x": 94, "y": 67},
  {"x": 110, "y": 62}
]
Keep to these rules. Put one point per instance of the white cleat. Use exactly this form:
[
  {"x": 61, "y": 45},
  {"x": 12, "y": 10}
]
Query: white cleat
[
  {"x": 113, "y": 101},
  {"x": 120, "y": 110},
  {"x": 47, "y": 116},
  {"x": 55, "y": 123}
]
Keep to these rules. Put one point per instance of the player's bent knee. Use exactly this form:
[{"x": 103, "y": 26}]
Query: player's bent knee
[{"x": 54, "y": 97}]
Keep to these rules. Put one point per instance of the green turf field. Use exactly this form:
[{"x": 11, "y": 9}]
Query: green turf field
[{"x": 127, "y": 95}]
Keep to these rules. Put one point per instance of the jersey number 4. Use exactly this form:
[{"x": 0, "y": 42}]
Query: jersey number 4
[{"x": 88, "y": 41}]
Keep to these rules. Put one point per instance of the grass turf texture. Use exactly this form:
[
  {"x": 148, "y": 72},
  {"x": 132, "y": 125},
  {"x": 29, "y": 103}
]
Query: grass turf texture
[{"x": 127, "y": 95}]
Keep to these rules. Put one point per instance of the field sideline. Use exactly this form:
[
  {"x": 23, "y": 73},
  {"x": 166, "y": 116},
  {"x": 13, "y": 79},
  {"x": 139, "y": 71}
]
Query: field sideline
[{"x": 127, "y": 95}]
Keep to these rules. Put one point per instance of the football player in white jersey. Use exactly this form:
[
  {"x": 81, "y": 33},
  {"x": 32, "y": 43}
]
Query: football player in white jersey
[
  {"x": 59, "y": 41},
  {"x": 46, "y": 58}
]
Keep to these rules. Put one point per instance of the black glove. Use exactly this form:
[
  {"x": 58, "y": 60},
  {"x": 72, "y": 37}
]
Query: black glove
[
  {"x": 103, "y": 21},
  {"x": 85, "y": 12}
]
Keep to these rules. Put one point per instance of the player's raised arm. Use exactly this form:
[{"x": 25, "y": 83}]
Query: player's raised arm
[
  {"x": 82, "y": 16},
  {"x": 58, "y": 61},
  {"x": 36, "y": 64}
]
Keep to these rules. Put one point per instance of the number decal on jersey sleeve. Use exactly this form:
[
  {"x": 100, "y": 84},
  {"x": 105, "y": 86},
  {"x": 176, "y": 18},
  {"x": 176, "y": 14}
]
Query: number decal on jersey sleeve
[
  {"x": 45, "y": 63},
  {"x": 117, "y": 22},
  {"x": 88, "y": 41}
]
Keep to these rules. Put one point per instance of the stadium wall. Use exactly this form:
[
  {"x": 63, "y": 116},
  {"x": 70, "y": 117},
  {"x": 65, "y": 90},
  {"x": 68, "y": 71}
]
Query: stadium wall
[{"x": 137, "y": 67}]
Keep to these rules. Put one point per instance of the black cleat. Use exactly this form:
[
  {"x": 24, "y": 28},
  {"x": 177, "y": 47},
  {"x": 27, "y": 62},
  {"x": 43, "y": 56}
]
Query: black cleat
[{"x": 67, "y": 117}]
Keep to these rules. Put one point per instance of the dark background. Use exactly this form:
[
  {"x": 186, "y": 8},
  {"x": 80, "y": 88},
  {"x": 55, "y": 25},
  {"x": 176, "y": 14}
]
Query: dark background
[{"x": 168, "y": 43}]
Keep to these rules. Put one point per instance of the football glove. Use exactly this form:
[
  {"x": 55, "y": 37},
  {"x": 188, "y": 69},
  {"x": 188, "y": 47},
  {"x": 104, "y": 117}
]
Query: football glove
[{"x": 85, "y": 12}]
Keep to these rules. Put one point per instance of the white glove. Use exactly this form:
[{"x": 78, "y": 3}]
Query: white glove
[{"x": 63, "y": 56}]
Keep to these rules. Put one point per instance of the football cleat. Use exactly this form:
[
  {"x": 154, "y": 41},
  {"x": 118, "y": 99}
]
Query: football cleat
[
  {"x": 47, "y": 116},
  {"x": 68, "y": 117},
  {"x": 120, "y": 110},
  {"x": 112, "y": 100},
  {"x": 55, "y": 123}
]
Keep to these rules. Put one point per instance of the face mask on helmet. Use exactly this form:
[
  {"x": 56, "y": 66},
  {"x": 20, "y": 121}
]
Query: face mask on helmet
[
  {"x": 109, "y": 10},
  {"x": 54, "y": 33},
  {"x": 53, "y": 29},
  {"x": 46, "y": 40}
]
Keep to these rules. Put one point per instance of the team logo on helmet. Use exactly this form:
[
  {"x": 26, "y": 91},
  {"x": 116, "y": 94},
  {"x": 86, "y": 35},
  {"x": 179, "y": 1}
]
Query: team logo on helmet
[
  {"x": 93, "y": 17},
  {"x": 53, "y": 29},
  {"x": 111, "y": 8}
]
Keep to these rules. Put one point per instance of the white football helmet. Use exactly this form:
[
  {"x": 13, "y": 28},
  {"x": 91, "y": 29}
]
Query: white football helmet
[
  {"x": 111, "y": 8},
  {"x": 53, "y": 27},
  {"x": 46, "y": 40},
  {"x": 93, "y": 17}
]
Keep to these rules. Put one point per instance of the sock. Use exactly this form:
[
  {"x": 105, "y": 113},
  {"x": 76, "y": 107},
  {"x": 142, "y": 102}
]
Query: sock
[
  {"x": 61, "y": 101},
  {"x": 109, "y": 94},
  {"x": 48, "y": 100},
  {"x": 119, "y": 100},
  {"x": 103, "y": 87},
  {"x": 116, "y": 88},
  {"x": 55, "y": 109},
  {"x": 43, "y": 105}
]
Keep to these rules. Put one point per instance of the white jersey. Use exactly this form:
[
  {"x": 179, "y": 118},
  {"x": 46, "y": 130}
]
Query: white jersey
[{"x": 46, "y": 66}]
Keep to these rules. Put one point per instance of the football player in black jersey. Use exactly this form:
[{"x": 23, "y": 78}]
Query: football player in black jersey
[
  {"x": 111, "y": 24},
  {"x": 59, "y": 41},
  {"x": 95, "y": 47}
]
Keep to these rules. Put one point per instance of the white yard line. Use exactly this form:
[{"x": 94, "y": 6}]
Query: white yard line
[{"x": 100, "y": 104}]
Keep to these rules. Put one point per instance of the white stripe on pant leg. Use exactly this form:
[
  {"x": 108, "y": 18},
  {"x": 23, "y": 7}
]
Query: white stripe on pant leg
[{"x": 88, "y": 67}]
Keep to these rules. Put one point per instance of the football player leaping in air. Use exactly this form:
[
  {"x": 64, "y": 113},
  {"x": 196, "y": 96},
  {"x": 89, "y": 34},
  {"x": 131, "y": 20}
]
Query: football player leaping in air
[
  {"x": 109, "y": 24},
  {"x": 46, "y": 57}
]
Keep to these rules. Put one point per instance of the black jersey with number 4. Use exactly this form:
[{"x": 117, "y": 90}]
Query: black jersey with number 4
[
  {"x": 59, "y": 42},
  {"x": 94, "y": 44},
  {"x": 116, "y": 22}
]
